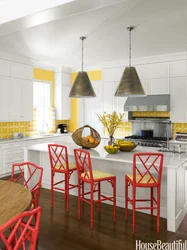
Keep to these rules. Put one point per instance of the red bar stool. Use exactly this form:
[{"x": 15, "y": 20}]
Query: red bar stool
[
  {"x": 94, "y": 178},
  {"x": 30, "y": 175},
  {"x": 147, "y": 173},
  {"x": 59, "y": 164},
  {"x": 23, "y": 233}
]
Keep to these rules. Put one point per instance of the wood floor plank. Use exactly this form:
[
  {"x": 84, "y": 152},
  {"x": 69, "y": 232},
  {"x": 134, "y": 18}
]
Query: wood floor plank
[{"x": 62, "y": 230}]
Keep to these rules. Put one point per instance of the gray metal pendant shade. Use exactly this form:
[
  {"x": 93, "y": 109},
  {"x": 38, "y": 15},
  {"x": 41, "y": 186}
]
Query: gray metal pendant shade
[
  {"x": 82, "y": 86},
  {"x": 129, "y": 84}
]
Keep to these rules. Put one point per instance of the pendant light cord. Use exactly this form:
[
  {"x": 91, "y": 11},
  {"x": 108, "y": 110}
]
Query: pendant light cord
[
  {"x": 82, "y": 54},
  {"x": 129, "y": 47},
  {"x": 82, "y": 38},
  {"x": 130, "y": 28}
]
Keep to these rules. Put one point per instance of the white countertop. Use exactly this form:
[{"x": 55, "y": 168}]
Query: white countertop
[
  {"x": 170, "y": 160},
  {"x": 31, "y": 137}
]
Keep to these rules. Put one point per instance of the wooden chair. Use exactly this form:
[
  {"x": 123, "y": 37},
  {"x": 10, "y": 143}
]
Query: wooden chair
[
  {"x": 30, "y": 175},
  {"x": 147, "y": 173},
  {"x": 94, "y": 178},
  {"x": 23, "y": 234},
  {"x": 58, "y": 156}
]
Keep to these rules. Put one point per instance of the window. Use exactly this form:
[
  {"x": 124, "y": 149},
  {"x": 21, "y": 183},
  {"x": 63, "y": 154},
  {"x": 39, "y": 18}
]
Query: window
[{"x": 42, "y": 104}]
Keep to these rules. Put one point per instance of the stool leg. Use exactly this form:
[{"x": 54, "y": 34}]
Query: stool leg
[
  {"x": 126, "y": 199},
  {"x": 133, "y": 208},
  {"x": 82, "y": 185},
  {"x": 114, "y": 195},
  {"x": 79, "y": 199},
  {"x": 91, "y": 206},
  {"x": 67, "y": 191},
  {"x": 158, "y": 209},
  {"x": 52, "y": 185},
  {"x": 151, "y": 201},
  {"x": 99, "y": 196}
]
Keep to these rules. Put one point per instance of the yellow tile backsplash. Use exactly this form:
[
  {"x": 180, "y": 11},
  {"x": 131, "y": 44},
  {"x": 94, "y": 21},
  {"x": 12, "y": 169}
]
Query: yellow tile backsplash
[
  {"x": 179, "y": 127},
  {"x": 124, "y": 129},
  {"x": 151, "y": 114},
  {"x": 8, "y": 128}
]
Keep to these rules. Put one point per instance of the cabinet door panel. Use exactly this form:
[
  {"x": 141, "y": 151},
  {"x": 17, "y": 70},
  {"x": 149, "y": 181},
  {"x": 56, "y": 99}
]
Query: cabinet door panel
[
  {"x": 66, "y": 103},
  {"x": 66, "y": 79},
  {"x": 21, "y": 70},
  {"x": 158, "y": 86},
  {"x": 27, "y": 100},
  {"x": 119, "y": 101},
  {"x": 4, "y": 99},
  {"x": 2, "y": 162},
  {"x": 178, "y": 93},
  {"x": 94, "y": 107},
  {"x": 21, "y": 96},
  {"x": 4, "y": 67},
  {"x": 62, "y": 100},
  {"x": 15, "y": 99},
  {"x": 108, "y": 94}
]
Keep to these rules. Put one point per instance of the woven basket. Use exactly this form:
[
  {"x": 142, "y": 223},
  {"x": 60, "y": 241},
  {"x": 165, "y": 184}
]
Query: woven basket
[{"x": 78, "y": 139}]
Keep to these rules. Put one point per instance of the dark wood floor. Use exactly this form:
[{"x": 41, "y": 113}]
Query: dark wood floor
[{"x": 61, "y": 230}]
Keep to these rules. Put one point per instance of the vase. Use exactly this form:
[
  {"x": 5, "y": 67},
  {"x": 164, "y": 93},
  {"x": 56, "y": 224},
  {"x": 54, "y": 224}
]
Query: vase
[{"x": 111, "y": 140}]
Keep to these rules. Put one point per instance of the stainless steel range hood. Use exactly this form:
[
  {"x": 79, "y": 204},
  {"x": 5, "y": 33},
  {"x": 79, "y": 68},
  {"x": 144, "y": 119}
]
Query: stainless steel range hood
[{"x": 148, "y": 103}]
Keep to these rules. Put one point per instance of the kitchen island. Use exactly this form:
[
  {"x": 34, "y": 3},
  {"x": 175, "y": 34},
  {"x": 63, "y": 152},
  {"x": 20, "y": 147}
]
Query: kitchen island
[{"x": 173, "y": 185}]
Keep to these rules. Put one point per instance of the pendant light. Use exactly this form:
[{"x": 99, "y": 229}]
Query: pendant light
[
  {"x": 130, "y": 84},
  {"x": 82, "y": 87}
]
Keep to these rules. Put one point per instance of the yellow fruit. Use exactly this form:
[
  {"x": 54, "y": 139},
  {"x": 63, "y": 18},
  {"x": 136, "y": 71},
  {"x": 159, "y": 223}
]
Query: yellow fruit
[
  {"x": 96, "y": 141},
  {"x": 91, "y": 139}
]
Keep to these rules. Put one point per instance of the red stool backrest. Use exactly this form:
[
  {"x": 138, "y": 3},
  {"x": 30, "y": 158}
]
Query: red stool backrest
[
  {"x": 30, "y": 175},
  {"x": 23, "y": 230},
  {"x": 149, "y": 168},
  {"x": 83, "y": 163},
  {"x": 58, "y": 157}
]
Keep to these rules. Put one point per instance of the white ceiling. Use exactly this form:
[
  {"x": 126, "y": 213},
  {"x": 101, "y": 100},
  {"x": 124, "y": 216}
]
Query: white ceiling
[
  {"x": 52, "y": 36},
  {"x": 11, "y": 9}
]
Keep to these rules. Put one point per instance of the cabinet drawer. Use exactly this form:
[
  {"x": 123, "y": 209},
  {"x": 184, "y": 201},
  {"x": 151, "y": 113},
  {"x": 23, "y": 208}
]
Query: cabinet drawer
[
  {"x": 8, "y": 166},
  {"x": 14, "y": 158},
  {"x": 14, "y": 151},
  {"x": 48, "y": 140},
  {"x": 4, "y": 146},
  {"x": 35, "y": 141},
  {"x": 17, "y": 144}
]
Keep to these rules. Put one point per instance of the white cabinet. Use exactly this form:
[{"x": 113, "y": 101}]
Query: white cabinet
[
  {"x": 20, "y": 70},
  {"x": 14, "y": 154},
  {"x": 2, "y": 162},
  {"x": 34, "y": 141},
  {"x": 4, "y": 67},
  {"x": 21, "y": 99},
  {"x": 62, "y": 100},
  {"x": 4, "y": 98},
  {"x": 158, "y": 86},
  {"x": 94, "y": 107},
  {"x": 178, "y": 92}
]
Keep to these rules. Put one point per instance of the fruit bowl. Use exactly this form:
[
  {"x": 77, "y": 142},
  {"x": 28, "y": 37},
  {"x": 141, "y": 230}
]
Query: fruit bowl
[
  {"x": 111, "y": 149},
  {"x": 125, "y": 146}
]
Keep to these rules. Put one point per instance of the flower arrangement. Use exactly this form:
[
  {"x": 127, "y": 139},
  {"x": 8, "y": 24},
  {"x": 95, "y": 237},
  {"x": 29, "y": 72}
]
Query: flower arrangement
[{"x": 111, "y": 122}]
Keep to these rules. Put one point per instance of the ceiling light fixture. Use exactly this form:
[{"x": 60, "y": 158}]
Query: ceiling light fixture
[
  {"x": 130, "y": 84},
  {"x": 82, "y": 87}
]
